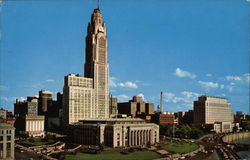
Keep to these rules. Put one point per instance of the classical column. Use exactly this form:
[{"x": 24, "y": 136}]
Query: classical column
[
  {"x": 135, "y": 138},
  {"x": 139, "y": 137},
  {"x": 129, "y": 138},
  {"x": 150, "y": 137},
  {"x": 132, "y": 138}
]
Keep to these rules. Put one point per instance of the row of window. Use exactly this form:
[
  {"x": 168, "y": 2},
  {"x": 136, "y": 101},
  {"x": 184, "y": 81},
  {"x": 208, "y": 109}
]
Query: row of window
[{"x": 7, "y": 131}]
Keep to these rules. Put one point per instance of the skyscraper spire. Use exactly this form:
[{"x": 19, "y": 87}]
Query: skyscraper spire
[{"x": 98, "y": 4}]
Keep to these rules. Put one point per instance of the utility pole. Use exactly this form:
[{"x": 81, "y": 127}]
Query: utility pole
[{"x": 161, "y": 107}]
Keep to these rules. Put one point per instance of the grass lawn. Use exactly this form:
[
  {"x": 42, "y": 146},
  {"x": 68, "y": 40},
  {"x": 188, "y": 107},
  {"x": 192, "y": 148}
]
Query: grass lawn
[
  {"x": 180, "y": 147},
  {"x": 114, "y": 155}
]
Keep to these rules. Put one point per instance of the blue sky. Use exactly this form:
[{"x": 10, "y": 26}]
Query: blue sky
[{"x": 183, "y": 48}]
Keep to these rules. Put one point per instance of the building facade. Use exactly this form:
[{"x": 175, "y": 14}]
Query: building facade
[
  {"x": 23, "y": 107},
  {"x": 136, "y": 107},
  {"x": 164, "y": 119},
  {"x": 44, "y": 98},
  {"x": 115, "y": 132},
  {"x": 3, "y": 113},
  {"x": 30, "y": 125},
  {"x": 88, "y": 96},
  {"x": 210, "y": 110},
  {"x": 113, "y": 106},
  {"x": 28, "y": 122},
  {"x": 7, "y": 141}
]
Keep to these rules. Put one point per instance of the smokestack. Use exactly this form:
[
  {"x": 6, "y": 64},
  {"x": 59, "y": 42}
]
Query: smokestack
[{"x": 161, "y": 107}]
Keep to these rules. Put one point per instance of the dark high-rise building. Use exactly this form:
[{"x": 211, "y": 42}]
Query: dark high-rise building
[
  {"x": 113, "y": 106},
  {"x": 26, "y": 107},
  {"x": 44, "y": 98},
  {"x": 27, "y": 119}
]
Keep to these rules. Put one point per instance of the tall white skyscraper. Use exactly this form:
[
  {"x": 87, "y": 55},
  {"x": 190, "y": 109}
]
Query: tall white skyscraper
[{"x": 88, "y": 96}]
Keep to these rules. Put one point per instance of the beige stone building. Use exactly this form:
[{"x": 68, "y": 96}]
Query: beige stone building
[
  {"x": 88, "y": 96},
  {"x": 118, "y": 132},
  {"x": 31, "y": 125},
  {"x": 210, "y": 110},
  {"x": 7, "y": 141}
]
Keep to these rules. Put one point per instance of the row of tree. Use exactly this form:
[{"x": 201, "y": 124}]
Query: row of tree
[{"x": 182, "y": 131}]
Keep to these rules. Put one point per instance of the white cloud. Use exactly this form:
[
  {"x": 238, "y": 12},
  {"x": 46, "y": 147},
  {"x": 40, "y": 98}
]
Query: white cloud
[
  {"x": 235, "y": 78},
  {"x": 230, "y": 88},
  {"x": 128, "y": 84},
  {"x": 222, "y": 86},
  {"x": 169, "y": 96},
  {"x": 247, "y": 76},
  {"x": 184, "y": 100},
  {"x": 178, "y": 99},
  {"x": 50, "y": 80},
  {"x": 3, "y": 87},
  {"x": 122, "y": 98},
  {"x": 11, "y": 99},
  {"x": 182, "y": 73},
  {"x": 208, "y": 85},
  {"x": 112, "y": 82},
  {"x": 141, "y": 95},
  {"x": 190, "y": 94},
  {"x": 209, "y": 75}
]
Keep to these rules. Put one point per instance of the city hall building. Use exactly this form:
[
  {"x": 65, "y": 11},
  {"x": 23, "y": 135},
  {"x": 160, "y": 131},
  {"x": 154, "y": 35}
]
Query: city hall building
[{"x": 120, "y": 132}]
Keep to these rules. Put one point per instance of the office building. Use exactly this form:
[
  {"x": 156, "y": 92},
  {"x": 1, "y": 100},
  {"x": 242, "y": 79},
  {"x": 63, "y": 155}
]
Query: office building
[
  {"x": 28, "y": 122},
  {"x": 210, "y": 110},
  {"x": 30, "y": 125},
  {"x": 118, "y": 132},
  {"x": 7, "y": 141},
  {"x": 88, "y": 96},
  {"x": 23, "y": 107},
  {"x": 185, "y": 117},
  {"x": 44, "y": 98},
  {"x": 164, "y": 118},
  {"x": 136, "y": 107},
  {"x": 113, "y": 106}
]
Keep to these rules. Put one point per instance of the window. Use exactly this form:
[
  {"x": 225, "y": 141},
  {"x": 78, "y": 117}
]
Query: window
[
  {"x": 1, "y": 150},
  {"x": 1, "y": 138},
  {"x": 8, "y": 138},
  {"x": 8, "y": 150}
]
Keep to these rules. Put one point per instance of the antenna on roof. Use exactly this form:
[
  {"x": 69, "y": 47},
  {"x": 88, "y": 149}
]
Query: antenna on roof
[{"x": 98, "y": 4}]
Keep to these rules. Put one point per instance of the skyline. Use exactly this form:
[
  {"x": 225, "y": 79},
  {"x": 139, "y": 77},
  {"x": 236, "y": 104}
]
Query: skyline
[{"x": 173, "y": 39}]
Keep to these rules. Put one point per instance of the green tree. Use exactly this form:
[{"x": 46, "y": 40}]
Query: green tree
[{"x": 246, "y": 125}]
